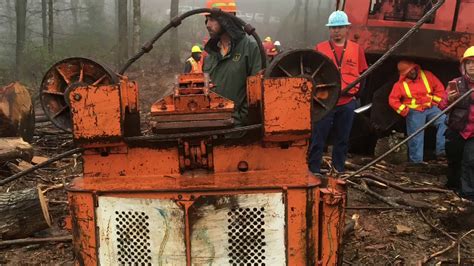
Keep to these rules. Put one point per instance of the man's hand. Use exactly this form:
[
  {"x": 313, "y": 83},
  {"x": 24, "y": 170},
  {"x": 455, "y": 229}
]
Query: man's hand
[{"x": 452, "y": 96}]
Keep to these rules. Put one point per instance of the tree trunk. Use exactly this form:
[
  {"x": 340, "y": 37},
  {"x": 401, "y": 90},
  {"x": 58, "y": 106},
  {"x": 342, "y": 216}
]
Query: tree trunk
[
  {"x": 15, "y": 148},
  {"x": 51, "y": 27},
  {"x": 174, "y": 42},
  {"x": 23, "y": 213},
  {"x": 305, "y": 27},
  {"x": 44, "y": 20},
  {"x": 11, "y": 24},
  {"x": 20, "y": 8},
  {"x": 122, "y": 32},
  {"x": 137, "y": 17},
  {"x": 95, "y": 13},
  {"x": 74, "y": 7},
  {"x": 16, "y": 112}
]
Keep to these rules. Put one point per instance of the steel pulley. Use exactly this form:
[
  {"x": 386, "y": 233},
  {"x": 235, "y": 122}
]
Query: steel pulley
[
  {"x": 317, "y": 68},
  {"x": 64, "y": 76}
]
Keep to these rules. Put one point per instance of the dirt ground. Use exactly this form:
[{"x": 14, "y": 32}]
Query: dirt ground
[{"x": 381, "y": 235}]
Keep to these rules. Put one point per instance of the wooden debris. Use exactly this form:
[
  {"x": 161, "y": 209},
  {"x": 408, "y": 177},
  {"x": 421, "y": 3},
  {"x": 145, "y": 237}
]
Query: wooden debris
[
  {"x": 15, "y": 148},
  {"x": 23, "y": 213},
  {"x": 401, "y": 188},
  {"x": 29, "y": 241},
  {"x": 17, "y": 117},
  {"x": 39, "y": 159},
  {"x": 403, "y": 230}
]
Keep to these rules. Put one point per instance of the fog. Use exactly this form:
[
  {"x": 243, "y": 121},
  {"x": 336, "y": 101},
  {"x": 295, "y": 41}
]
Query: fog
[{"x": 89, "y": 28}]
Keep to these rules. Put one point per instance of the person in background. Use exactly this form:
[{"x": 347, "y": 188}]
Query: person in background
[
  {"x": 460, "y": 133},
  {"x": 278, "y": 47},
  {"x": 416, "y": 97},
  {"x": 350, "y": 59},
  {"x": 194, "y": 63},
  {"x": 269, "y": 48}
]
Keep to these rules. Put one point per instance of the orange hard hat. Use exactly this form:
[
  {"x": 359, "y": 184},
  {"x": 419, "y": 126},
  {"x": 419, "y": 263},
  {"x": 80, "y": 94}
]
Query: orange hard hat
[
  {"x": 405, "y": 66},
  {"x": 225, "y": 5}
]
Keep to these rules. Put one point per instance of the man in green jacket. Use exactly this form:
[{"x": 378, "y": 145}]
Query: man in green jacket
[{"x": 232, "y": 57}]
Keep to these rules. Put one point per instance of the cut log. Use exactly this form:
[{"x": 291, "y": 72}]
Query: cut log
[
  {"x": 15, "y": 148},
  {"x": 23, "y": 213},
  {"x": 17, "y": 117}
]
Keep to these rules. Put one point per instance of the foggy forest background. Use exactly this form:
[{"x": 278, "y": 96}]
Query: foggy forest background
[{"x": 37, "y": 33}]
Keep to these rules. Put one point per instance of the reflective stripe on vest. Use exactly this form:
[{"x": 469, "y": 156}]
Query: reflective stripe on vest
[
  {"x": 401, "y": 108},
  {"x": 413, "y": 104},
  {"x": 196, "y": 67}
]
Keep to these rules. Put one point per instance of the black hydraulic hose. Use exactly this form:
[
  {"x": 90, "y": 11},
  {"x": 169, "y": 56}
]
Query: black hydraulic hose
[
  {"x": 381, "y": 157},
  {"x": 390, "y": 51},
  {"x": 40, "y": 165},
  {"x": 175, "y": 22}
]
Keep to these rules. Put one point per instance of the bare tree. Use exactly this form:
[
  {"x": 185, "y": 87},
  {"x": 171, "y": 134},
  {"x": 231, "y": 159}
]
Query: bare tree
[
  {"x": 137, "y": 17},
  {"x": 122, "y": 32},
  {"x": 305, "y": 27},
  {"x": 74, "y": 8},
  {"x": 50, "y": 27},
  {"x": 20, "y": 8},
  {"x": 11, "y": 21},
  {"x": 174, "y": 42},
  {"x": 44, "y": 20}
]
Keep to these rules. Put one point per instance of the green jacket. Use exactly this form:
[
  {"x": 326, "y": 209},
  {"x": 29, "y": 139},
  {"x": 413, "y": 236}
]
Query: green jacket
[{"x": 229, "y": 73}]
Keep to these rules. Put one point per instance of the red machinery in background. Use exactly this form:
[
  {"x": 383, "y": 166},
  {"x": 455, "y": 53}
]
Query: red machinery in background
[{"x": 437, "y": 46}]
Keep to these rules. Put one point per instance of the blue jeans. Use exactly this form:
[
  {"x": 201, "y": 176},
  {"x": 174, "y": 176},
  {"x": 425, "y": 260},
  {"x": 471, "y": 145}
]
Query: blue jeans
[
  {"x": 417, "y": 119},
  {"x": 340, "y": 120}
]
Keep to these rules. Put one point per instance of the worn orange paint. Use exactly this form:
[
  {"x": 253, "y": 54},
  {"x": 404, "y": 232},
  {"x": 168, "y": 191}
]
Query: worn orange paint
[
  {"x": 96, "y": 112},
  {"x": 81, "y": 206},
  {"x": 444, "y": 38},
  {"x": 297, "y": 200},
  {"x": 276, "y": 162},
  {"x": 254, "y": 90},
  {"x": 287, "y": 107},
  {"x": 332, "y": 225}
]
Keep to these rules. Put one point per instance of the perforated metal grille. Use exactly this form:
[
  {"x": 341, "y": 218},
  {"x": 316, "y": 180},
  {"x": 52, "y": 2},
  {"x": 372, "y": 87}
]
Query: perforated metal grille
[
  {"x": 246, "y": 236},
  {"x": 133, "y": 238}
]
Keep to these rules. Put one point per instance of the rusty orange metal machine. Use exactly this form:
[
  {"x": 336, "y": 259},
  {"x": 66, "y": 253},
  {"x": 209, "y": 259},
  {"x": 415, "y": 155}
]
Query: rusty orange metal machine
[{"x": 199, "y": 191}]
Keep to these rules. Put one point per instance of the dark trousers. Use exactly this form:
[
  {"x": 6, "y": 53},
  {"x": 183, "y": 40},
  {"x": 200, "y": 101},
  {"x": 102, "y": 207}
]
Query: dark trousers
[
  {"x": 454, "y": 154},
  {"x": 339, "y": 120},
  {"x": 460, "y": 154},
  {"x": 467, "y": 175}
]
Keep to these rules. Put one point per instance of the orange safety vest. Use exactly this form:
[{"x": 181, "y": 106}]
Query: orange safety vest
[
  {"x": 196, "y": 66},
  {"x": 348, "y": 67},
  {"x": 424, "y": 101}
]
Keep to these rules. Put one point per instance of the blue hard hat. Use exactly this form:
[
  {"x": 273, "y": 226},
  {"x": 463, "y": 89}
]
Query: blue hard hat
[{"x": 338, "y": 18}]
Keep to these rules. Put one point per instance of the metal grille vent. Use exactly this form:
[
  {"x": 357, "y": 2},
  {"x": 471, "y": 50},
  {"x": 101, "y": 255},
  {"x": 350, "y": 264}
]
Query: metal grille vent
[
  {"x": 133, "y": 238},
  {"x": 246, "y": 236}
]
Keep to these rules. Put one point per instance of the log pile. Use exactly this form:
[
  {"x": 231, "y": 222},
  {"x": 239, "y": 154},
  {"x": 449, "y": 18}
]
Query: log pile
[
  {"x": 17, "y": 117},
  {"x": 23, "y": 213}
]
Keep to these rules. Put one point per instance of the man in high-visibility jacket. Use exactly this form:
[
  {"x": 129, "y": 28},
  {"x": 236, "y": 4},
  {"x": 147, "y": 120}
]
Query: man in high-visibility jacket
[
  {"x": 416, "y": 97},
  {"x": 350, "y": 59},
  {"x": 195, "y": 62}
]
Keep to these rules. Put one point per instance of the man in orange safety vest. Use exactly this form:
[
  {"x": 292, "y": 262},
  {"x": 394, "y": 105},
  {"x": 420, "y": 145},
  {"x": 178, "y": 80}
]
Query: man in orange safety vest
[
  {"x": 416, "y": 97},
  {"x": 350, "y": 59},
  {"x": 194, "y": 63}
]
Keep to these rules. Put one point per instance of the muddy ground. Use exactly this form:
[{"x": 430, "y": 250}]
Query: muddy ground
[{"x": 381, "y": 235}]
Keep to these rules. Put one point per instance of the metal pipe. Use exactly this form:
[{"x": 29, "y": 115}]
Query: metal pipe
[
  {"x": 376, "y": 160},
  {"x": 175, "y": 22},
  {"x": 394, "y": 47}
]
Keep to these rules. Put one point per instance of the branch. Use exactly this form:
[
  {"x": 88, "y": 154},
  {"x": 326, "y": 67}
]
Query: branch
[
  {"x": 404, "y": 189},
  {"x": 457, "y": 242},
  {"x": 28, "y": 241}
]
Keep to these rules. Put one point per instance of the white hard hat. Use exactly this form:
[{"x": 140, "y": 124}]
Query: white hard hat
[{"x": 277, "y": 43}]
